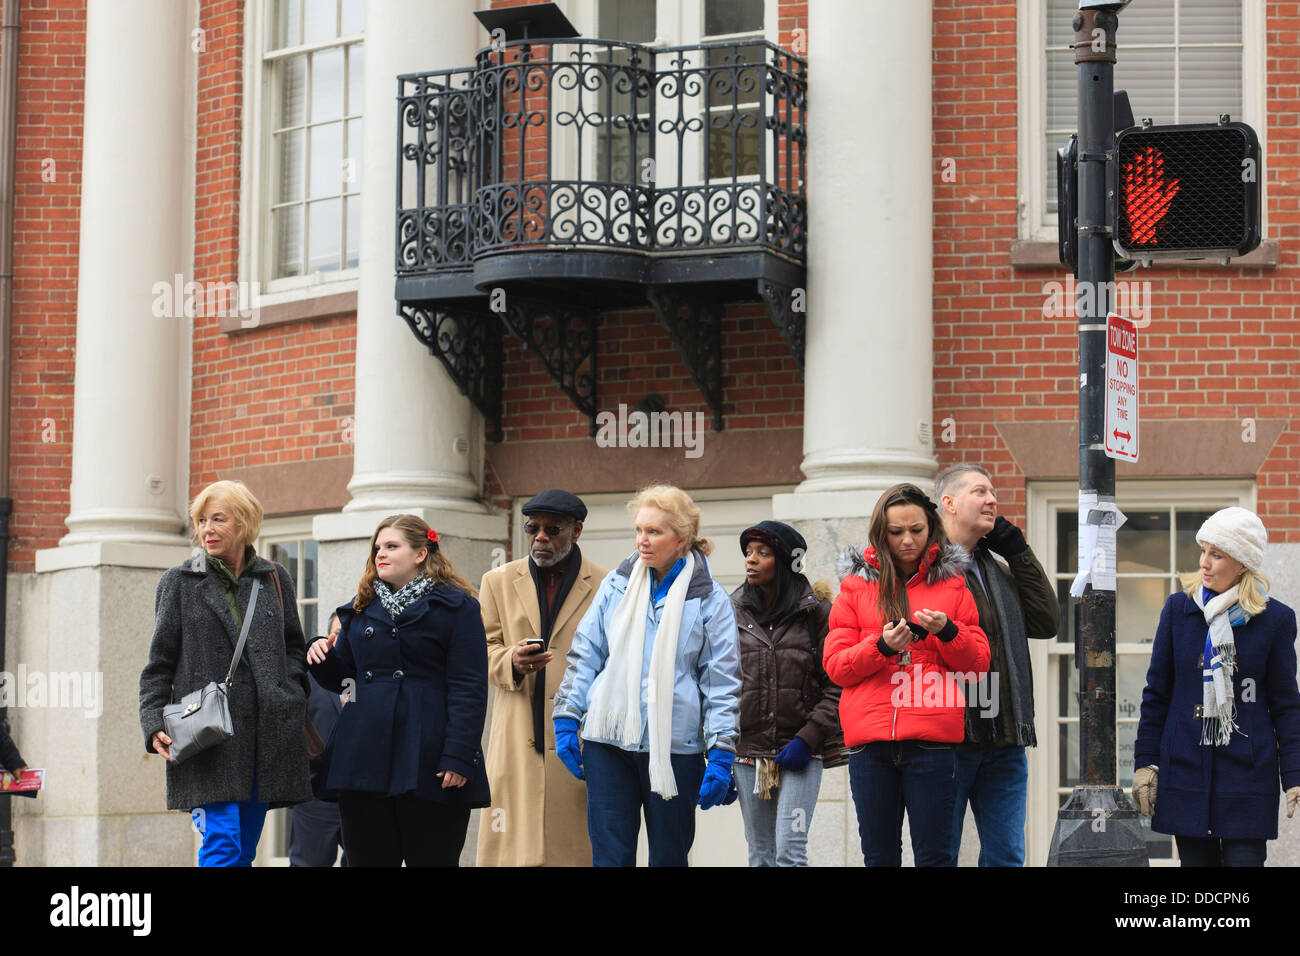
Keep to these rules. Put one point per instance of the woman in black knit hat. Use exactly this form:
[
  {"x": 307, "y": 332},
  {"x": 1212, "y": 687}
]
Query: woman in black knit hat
[{"x": 789, "y": 709}]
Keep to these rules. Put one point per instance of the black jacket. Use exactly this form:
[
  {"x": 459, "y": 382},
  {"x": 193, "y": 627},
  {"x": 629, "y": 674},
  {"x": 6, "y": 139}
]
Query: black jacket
[
  {"x": 10, "y": 758},
  {"x": 1039, "y": 610}
]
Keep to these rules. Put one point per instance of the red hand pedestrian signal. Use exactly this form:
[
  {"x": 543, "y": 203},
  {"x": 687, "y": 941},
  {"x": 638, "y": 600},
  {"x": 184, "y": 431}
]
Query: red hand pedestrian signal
[{"x": 1147, "y": 194}]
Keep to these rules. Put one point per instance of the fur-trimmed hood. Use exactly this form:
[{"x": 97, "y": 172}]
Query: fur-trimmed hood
[{"x": 865, "y": 564}]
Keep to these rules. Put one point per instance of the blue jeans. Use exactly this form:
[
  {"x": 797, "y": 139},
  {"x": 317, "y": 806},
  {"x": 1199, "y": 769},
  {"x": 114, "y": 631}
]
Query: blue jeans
[
  {"x": 995, "y": 780},
  {"x": 892, "y": 776},
  {"x": 1209, "y": 851},
  {"x": 618, "y": 790},
  {"x": 777, "y": 829},
  {"x": 230, "y": 830}
]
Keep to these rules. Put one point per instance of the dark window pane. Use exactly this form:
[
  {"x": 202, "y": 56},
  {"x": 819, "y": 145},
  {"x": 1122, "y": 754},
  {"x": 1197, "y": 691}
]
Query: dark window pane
[
  {"x": 733, "y": 131},
  {"x": 1068, "y": 687},
  {"x": 731, "y": 81},
  {"x": 1067, "y": 542},
  {"x": 1066, "y": 633},
  {"x": 732, "y": 16},
  {"x": 632, "y": 21},
  {"x": 1143, "y": 542},
  {"x": 1187, "y": 553}
]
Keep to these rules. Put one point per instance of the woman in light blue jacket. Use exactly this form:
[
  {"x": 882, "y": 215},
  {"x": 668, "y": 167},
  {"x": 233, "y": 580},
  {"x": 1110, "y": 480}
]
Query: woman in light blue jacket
[{"x": 659, "y": 620}]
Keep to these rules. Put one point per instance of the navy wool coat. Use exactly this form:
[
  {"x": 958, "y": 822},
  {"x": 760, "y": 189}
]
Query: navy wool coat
[
  {"x": 1225, "y": 792},
  {"x": 419, "y": 686},
  {"x": 193, "y": 640}
]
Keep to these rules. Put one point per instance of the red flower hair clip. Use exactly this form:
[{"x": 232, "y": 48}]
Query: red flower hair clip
[
  {"x": 869, "y": 555},
  {"x": 432, "y": 535},
  {"x": 931, "y": 556}
]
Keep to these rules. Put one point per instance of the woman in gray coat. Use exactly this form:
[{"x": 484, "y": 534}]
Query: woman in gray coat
[{"x": 199, "y": 611}]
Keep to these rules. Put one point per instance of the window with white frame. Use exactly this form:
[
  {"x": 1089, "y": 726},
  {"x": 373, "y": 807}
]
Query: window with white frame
[
  {"x": 288, "y": 542},
  {"x": 1156, "y": 544},
  {"x": 1181, "y": 61},
  {"x": 310, "y": 180}
]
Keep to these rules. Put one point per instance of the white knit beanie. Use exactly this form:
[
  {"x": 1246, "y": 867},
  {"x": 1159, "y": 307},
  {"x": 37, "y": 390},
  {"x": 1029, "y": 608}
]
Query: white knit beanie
[{"x": 1238, "y": 533}]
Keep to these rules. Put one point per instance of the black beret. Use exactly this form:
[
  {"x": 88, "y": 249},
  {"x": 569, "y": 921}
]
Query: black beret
[
  {"x": 781, "y": 536},
  {"x": 556, "y": 502}
]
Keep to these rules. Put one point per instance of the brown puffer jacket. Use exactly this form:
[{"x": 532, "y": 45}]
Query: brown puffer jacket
[{"x": 785, "y": 692}]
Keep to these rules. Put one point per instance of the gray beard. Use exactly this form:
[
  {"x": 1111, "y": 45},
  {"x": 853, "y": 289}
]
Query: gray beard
[{"x": 556, "y": 559}]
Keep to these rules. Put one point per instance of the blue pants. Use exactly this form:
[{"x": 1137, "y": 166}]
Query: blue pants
[
  {"x": 776, "y": 829},
  {"x": 1209, "y": 851},
  {"x": 618, "y": 790},
  {"x": 995, "y": 780},
  {"x": 892, "y": 776},
  {"x": 230, "y": 830}
]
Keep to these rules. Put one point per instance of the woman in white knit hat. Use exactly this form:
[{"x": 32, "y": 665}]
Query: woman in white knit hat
[{"x": 1221, "y": 710}]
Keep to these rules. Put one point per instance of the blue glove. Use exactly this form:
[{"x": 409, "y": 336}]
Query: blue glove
[
  {"x": 795, "y": 756},
  {"x": 567, "y": 746},
  {"x": 733, "y": 793},
  {"x": 717, "y": 778}
]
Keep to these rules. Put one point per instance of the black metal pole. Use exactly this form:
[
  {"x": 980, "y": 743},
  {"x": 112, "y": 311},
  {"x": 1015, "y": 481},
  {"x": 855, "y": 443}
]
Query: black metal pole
[
  {"x": 7, "y": 857},
  {"x": 1097, "y": 826}
]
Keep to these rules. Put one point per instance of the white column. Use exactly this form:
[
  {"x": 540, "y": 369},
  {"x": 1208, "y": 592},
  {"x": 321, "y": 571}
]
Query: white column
[
  {"x": 417, "y": 437},
  {"x": 130, "y": 410},
  {"x": 867, "y": 393}
]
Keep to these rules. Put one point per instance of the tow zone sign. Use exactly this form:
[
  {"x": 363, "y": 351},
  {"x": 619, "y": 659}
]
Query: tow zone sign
[{"x": 1121, "y": 388}]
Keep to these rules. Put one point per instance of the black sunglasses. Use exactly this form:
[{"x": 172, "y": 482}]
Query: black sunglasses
[{"x": 532, "y": 527}]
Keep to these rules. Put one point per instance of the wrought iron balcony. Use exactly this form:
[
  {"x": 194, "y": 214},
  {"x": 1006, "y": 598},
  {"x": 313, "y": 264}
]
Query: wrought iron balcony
[{"x": 668, "y": 176}]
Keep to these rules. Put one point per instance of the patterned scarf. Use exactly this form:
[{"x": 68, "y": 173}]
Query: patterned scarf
[
  {"x": 1218, "y": 699},
  {"x": 395, "y": 602}
]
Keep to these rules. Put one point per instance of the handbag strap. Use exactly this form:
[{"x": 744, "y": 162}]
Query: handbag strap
[{"x": 243, "y": 631}]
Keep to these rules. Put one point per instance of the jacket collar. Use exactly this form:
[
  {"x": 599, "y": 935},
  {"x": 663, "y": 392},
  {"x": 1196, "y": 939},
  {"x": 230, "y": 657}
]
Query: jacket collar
[
  {"x": 199, "y": 565},
  {"x": 701, "y": 584},
  {"x": 441, "y": 593},
  {"x": 935, "y": 566}
]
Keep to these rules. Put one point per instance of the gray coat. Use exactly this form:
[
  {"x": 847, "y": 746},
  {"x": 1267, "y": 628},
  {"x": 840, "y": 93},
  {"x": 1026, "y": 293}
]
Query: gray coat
[{"x": 193, "y": 640}]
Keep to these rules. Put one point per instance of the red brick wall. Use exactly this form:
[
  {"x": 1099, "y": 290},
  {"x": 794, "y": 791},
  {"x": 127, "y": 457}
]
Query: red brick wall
[
  {"x": 1223, "y": 343},
  {"x": 51, "y": 75},
  {"x": 266, "y": 396}
]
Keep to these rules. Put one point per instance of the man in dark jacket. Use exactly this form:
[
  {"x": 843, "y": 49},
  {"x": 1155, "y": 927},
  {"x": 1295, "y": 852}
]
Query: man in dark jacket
[
  {"x": 1016, "y": 601},
  {"x": 315, "y": 833}
]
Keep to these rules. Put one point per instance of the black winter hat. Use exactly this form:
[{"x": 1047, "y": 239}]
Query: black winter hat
[
  {"x": 780, "y": 536},
  {"x": 556, "y": 501}
]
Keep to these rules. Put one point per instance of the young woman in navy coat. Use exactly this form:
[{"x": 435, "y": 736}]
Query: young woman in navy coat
[
  {"x": 1221, "y": 711},
  {"x": 404, "y": 759}
]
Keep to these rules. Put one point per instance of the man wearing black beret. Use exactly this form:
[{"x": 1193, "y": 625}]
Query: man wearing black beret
[{"x": 538, "y": 815}]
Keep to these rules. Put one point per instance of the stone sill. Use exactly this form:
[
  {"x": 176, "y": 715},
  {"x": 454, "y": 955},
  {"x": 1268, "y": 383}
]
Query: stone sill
[
  {"x": 1034, "y": 254},
  {"x": 284, "y": 313}
]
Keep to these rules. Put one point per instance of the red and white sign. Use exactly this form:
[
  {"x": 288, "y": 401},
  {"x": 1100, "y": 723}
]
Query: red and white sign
[{"x": 1121, "y": 388}]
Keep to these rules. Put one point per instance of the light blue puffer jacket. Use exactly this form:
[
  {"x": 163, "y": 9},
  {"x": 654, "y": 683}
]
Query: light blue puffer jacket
[{"x": 706, "y": 681}]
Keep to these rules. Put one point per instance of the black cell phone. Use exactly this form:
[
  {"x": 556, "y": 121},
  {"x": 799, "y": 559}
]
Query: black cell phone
[{"x": 536, "y": 642}]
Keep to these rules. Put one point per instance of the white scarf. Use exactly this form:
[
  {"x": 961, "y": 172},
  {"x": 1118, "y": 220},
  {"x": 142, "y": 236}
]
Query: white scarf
[
  {"x": 1218, "y": 701},
  {"x": 614, "y": 712}
]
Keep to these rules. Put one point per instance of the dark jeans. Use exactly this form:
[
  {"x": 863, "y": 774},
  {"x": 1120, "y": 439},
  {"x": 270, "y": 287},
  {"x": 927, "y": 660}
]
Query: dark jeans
[
  {"x": 1209, "y": 851},
  {"x": 892, "y": 776},
  {"x": 315, "y": 834},
  {"x": 379, "y": 830},
  {"x": 618, "y": 790},
  {"x": 996, "y": 781}
]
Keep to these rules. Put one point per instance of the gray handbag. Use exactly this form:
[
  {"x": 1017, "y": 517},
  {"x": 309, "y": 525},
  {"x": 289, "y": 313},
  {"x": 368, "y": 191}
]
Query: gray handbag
[{"x": 201, "y": 719}]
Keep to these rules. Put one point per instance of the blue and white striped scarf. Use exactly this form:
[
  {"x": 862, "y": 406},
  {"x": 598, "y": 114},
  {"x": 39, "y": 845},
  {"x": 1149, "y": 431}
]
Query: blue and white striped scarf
[{"x": 1218, "y": 700}]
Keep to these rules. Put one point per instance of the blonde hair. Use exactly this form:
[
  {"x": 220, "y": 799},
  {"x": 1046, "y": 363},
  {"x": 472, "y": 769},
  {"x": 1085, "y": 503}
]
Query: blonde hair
[
  {"x": 244, "y": 507},
  {"x": 1252, "y": 591},
  {"x": 682, "y": 511},
  {"x": 416, "y": 532}
]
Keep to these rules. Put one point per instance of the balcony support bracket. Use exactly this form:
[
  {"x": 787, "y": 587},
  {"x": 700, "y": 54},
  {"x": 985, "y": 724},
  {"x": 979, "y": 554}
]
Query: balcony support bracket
[
  {"x": 785, "y": 304},
  {"x": 468, "y": 343},
  {"x": 564, "y": 338},
  {"x": 694, "y": 323}
]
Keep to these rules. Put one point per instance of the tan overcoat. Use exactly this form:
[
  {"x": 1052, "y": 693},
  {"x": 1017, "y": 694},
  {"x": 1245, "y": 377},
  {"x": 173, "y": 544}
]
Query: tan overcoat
[{"x": 538, "y": 815}]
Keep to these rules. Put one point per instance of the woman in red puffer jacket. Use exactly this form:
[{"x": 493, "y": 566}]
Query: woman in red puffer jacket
[{"x": 904, "y": 641}]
